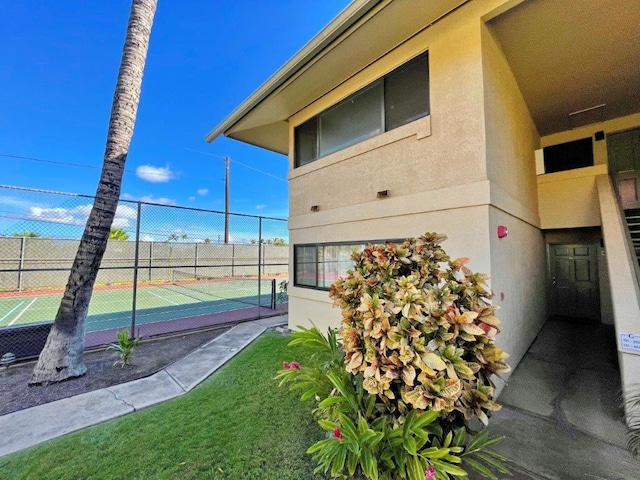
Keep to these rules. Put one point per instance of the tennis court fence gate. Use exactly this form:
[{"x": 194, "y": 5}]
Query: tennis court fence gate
[{"x": 166, "y": 269}]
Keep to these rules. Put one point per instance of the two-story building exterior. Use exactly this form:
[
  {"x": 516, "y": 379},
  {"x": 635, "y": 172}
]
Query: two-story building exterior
[{"x": 505, "y": 124}]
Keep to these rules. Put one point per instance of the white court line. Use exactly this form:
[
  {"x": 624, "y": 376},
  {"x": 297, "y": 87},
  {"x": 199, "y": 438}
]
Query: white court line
[
  {"x": 11, "y": 311},
  {"x": 165, "y": 299},
  {"x": 20, "y": 314}
]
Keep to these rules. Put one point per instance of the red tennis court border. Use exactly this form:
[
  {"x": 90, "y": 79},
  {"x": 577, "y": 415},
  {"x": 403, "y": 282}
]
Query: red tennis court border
[
  {"x": 27, "y": 341},
  {"x": 147, "y": 330}
]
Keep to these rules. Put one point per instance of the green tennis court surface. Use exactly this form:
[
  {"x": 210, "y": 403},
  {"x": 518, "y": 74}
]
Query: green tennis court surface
[{"x": 111, "y": 308}]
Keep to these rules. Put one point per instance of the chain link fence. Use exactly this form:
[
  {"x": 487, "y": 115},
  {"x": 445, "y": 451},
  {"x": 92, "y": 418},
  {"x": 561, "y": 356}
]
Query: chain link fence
[{"x": 166, "y": 268}]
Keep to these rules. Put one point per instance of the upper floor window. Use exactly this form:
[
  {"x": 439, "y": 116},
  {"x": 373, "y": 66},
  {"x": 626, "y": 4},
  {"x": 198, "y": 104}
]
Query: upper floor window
[
  {"x": 569, "y": 155},
  {"x": 399, "y": 97}
]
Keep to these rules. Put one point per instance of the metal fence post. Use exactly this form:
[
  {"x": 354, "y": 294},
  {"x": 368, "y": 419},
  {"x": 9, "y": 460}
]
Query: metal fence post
[
  {"x": 21, "y": 266},
  {"x": 273, "y": 293},
  {"x": 259, "y": 261},
  {"x": 233, "y": 258},
  {"x": 195, "y": 261},
  {"x": 135, "y": 274},
  {"x": 150, "y": 259}
]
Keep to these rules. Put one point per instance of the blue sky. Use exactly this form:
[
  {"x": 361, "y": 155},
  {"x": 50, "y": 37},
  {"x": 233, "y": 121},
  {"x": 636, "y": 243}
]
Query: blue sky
[{"x": 58, "y": 67}]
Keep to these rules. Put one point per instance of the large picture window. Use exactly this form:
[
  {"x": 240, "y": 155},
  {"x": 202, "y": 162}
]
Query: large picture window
[
  {"x": 398, "y": 98},
  {"x": 318, "y": 266}
]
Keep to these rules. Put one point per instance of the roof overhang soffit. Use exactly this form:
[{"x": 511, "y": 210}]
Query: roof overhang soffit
[{"x": 345, "y": 47}]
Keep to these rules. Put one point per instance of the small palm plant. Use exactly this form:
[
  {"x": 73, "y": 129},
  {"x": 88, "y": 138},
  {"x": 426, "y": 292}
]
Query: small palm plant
[
  {"x": 632, "y": 407},
  {"x": 123, "y": 348}
]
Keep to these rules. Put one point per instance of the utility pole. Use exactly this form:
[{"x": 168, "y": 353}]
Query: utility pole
[{"x": 226, "y": 200}]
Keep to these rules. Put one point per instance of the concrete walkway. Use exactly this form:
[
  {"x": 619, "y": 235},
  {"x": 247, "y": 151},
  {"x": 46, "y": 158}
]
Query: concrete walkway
[
  {"x": 561, "y": 417},
  {"x": 34, "y": 425}
]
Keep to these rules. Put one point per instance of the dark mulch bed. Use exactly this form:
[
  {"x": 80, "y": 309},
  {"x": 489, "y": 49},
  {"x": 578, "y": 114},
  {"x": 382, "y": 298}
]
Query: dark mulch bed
[{"x": 149, "y": 357}]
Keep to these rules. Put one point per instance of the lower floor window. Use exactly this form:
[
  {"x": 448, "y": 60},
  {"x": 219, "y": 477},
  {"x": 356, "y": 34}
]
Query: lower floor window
[{"x": 319, "y": 265}]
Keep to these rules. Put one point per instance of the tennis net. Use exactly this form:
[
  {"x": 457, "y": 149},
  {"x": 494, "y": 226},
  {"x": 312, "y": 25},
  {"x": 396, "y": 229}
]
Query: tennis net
[{"x": 246, "y": 290}]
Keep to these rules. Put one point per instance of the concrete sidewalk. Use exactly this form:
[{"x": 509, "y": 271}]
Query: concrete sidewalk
[
  {"x": 34, "y": 425},
  {"x": 537, "y": 448}
]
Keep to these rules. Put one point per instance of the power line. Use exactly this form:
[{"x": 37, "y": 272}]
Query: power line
[
  {"x": 70, "y": 164},
  {"x": 241, "y": 164},
  {"x": 96, "y": 167},
  {"x": 41, "y": 160}
]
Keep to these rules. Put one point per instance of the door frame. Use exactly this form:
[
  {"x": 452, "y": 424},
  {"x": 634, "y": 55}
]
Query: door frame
[{"x": 586, "y": 236}]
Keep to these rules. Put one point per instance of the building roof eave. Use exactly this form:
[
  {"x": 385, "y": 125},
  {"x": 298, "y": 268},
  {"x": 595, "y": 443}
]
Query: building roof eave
[{"x": 350, "y": 15}]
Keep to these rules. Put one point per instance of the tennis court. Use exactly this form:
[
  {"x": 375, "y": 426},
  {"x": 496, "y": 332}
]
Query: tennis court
[{"x": 111, "y": 308}]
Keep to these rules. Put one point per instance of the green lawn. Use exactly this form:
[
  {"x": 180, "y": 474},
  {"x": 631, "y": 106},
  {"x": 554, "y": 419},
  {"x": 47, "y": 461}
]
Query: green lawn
[{"x": 237, "y": 425}]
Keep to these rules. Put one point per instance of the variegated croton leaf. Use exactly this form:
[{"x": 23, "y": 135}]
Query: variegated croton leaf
[{"x": 420, "y": 329}]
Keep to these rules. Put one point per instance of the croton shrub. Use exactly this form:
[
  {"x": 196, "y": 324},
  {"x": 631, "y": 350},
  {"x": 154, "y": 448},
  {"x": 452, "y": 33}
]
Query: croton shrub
[{"x": 411, "y": 365}]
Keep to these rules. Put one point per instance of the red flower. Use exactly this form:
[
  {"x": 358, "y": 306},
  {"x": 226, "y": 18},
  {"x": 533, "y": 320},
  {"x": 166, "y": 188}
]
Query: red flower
[
  {"x": 286, "y": 365},
  {"x": 337, "y": 433},
  {"x": 430, "y": 474},
  {"x": 291, "y": 366}
]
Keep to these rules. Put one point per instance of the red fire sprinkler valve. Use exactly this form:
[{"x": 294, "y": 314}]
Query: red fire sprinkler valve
[{"x": 502, "y": 231}]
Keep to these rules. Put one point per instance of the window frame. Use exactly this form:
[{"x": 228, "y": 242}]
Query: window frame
[
  {"x": 318, "y": 264},
  {"x": 382, "y": 81}
]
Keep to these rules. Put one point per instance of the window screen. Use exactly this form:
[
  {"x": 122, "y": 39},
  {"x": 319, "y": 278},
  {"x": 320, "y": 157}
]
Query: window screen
[
  {"x": 406, "y": 93},
  {"x": 357, "y": 118},
  {"x": 334, "y": 261},
  {"x": 306, "y": 139},
  {"x": 306, "y": 265}
]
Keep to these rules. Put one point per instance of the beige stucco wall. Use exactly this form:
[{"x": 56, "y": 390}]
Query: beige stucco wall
[
  {"x": 443, "y": 150},
  {"x": 518, "y": 261},
  {"x": 625, "y": 290},
  {"x": 463, "y": 171},
  {"x": 518, "y": 266},
  {"x": 511, "y": 135},
  {"x": 437, "y": 174},
  {"x": 466, "y": 227},
  {"x": 569, "y": 199},
  {"x": 434, "y": 168}
]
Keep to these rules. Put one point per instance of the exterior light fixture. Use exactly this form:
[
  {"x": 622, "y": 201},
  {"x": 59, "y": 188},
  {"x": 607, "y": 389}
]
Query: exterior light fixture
[
  {"x": 315, "y": 208},
  {"x": 382, "y": 194}
]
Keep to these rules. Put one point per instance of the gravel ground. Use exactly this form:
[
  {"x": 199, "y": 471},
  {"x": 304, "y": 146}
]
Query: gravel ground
[{"x": 149, "y": 357}]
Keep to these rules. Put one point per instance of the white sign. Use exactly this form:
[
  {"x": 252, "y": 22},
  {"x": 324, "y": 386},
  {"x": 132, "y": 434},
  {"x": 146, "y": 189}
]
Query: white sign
[{"x": 630, "y": 341}]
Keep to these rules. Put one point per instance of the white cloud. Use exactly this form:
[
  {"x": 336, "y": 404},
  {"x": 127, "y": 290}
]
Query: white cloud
[
  {"x": 260, "y": 207},
  {"x": 202, "y": 191},
  {"x": 192, "y": 198},
  {"x": 78, "y": 215},
  {"x": 126, "y": 212},
  {"x": 148, "y": 199},
  {"x": 14, "y": 202},
  {"x": 147, "y": 238},
  {"x": 160, "y": 200},
  {"x": 153, "y": 174},
  {"x": 55, "y": 215}
]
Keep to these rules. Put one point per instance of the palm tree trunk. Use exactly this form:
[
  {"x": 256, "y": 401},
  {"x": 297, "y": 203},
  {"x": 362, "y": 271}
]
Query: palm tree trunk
[{"x": 61, "y": 357}]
